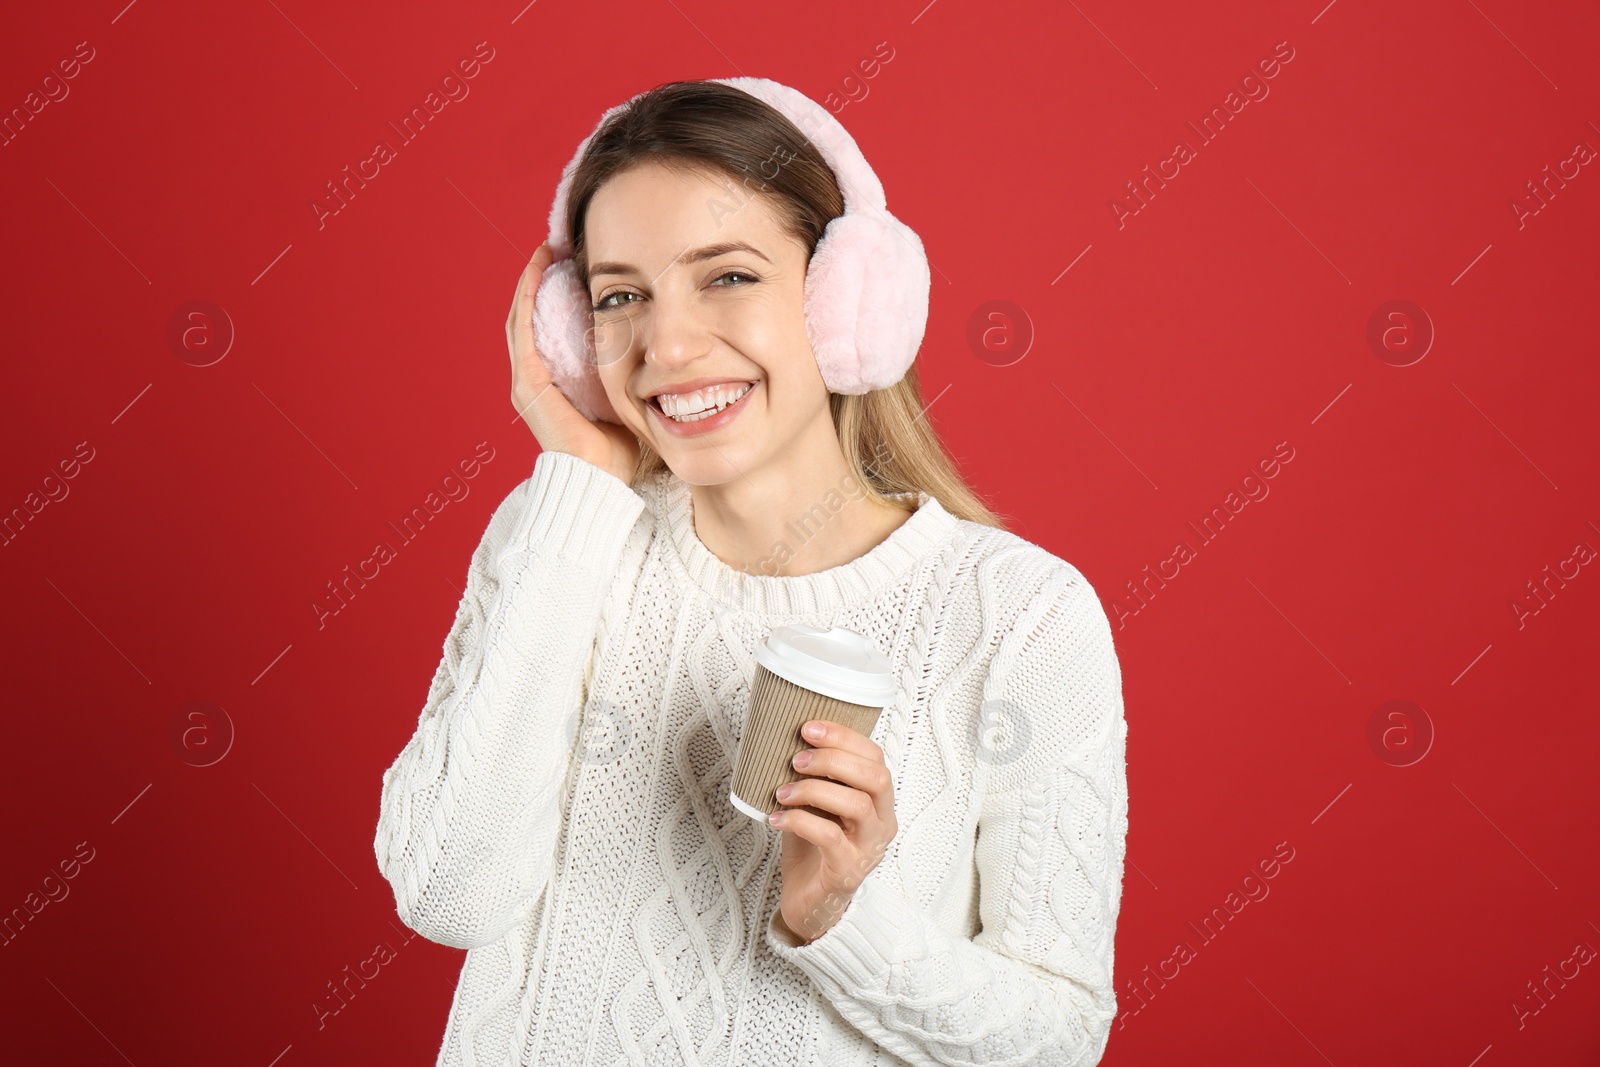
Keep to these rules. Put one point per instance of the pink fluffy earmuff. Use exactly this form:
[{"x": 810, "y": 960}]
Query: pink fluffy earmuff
[{"x": 866, "y": 289}]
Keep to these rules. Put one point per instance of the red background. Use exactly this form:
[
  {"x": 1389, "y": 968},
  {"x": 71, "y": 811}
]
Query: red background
[{"x": 1228, "y": 315}]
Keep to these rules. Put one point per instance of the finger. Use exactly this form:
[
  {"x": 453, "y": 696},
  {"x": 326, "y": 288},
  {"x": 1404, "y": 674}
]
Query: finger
[
  {"x": 530, "y": 376},
  {"x": 858, "y": 772},
  {"x": 826, "y": 834},
  {"x": 516, "y": 294},
  {"x": 838, "y": 735},
  {"x": 851, "y": 805},
  {"x": 519, "y": 324},
  {"x": 521, "y": 316}
]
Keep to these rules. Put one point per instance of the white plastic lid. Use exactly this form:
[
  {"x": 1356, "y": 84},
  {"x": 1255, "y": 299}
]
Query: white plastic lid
[{"x": 835, "y": 662}]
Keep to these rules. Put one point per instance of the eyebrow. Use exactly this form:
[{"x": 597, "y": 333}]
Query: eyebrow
[{"x": 695, "y": 255}]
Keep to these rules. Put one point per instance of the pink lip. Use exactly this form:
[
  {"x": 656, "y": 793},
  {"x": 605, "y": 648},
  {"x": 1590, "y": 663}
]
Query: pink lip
[
  {"x": 694, "y": 384},
  {"x": 701, "y": 426}
]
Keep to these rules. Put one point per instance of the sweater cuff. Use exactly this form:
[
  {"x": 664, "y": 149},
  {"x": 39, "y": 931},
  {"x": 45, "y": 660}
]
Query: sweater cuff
[
  {"x": 576, "y": 511},
  {"x": 879, "y": 929}
]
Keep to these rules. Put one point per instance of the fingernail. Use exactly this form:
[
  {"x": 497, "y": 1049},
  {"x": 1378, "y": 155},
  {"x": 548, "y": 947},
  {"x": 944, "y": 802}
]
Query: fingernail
[
  {"x": 814, "y": 729},
  {"x": 802, "y": 759},
  {"x": 785, "y": 791}
]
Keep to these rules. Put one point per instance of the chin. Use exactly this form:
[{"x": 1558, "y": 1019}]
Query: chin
[{"x": 706, "y": 466}]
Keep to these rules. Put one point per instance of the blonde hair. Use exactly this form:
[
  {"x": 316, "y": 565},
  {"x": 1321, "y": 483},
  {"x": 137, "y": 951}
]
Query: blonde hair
[{"x": 884, "y": 434}]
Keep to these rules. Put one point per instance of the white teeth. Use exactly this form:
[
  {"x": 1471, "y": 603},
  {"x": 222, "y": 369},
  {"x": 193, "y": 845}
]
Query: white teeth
[{"x": 701, "y": 404}]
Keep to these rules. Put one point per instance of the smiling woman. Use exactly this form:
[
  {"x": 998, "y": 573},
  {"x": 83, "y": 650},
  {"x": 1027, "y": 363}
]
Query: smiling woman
[
  {"x": 727, "y": 318},
  {"x": 727, "y": 190}
]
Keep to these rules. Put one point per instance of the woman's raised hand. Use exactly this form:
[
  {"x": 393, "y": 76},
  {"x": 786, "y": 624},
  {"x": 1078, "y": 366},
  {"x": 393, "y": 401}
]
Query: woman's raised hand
[{"x": 556, "y": 424}]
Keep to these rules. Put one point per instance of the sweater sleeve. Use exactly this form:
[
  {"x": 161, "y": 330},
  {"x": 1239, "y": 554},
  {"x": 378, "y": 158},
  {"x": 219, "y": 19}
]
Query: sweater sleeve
[
  {"x": 470, "y": 809},
  {"x": 1034, "y": 985}
]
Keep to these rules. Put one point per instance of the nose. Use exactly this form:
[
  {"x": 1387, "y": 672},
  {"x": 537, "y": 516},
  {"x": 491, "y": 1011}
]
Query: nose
[{"x": 674, "y": 335}]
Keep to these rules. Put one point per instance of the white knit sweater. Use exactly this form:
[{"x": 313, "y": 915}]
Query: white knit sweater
[{"x": 562, "y": 810}]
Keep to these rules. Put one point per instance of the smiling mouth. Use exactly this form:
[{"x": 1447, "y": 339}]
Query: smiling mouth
[{"x": 716, "y": 401}]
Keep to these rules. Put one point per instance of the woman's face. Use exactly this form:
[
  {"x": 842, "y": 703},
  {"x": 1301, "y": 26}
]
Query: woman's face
[{"x": 693, "y": 280}]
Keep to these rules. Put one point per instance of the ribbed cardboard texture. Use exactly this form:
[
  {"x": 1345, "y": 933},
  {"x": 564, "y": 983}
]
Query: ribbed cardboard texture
[{"x": 771, "y": 737}]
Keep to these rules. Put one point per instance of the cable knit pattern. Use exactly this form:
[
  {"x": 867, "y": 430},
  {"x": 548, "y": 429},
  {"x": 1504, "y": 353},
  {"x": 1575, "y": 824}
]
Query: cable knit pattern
[{"x": 561, "y": 810}]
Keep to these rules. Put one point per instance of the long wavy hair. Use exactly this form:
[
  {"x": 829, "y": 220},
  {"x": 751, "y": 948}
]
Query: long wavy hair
[{"x": 709, "y": 127}]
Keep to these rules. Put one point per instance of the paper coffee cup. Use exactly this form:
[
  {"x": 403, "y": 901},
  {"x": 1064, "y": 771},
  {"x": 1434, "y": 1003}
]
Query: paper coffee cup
[{"x": 803, "y": 673}]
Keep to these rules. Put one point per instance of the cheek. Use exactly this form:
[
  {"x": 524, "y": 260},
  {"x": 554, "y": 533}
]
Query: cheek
[
  {"x": 613, "y": 338},
  {"x": 774, "y": 338},
  {"x": 614, "y": 378},
  {"x": 793, "y": 368}
]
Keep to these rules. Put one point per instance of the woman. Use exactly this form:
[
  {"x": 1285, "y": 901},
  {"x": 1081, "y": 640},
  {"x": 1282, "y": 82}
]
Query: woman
[{"x": 943, "y": 892}]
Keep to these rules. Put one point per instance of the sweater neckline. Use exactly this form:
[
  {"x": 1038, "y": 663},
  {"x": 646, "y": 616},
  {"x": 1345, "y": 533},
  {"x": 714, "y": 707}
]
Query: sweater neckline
[{"x": 821, "y": 592}]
